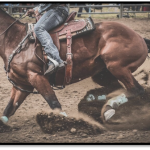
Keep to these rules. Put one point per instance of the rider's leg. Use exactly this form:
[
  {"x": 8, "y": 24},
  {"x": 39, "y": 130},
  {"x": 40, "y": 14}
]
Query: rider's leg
[{"x": 47, "y": 22}]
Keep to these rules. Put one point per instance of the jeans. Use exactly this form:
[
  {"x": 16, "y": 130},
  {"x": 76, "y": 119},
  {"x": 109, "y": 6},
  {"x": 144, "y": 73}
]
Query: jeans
[{"x": 51, "y": 19}]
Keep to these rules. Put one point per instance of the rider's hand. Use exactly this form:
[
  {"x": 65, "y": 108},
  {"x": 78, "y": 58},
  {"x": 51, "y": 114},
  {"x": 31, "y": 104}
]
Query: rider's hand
[
  {"x": 36, "y": 13},
  {"x": 30, "y": 12}
]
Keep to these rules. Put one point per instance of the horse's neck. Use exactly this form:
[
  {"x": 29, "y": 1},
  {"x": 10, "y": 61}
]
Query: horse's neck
[
  {"x": 11, "y": 38},
  {"x": 5, "y": 20}
]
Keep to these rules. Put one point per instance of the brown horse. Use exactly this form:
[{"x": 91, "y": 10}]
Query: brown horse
[{"x": 111, "y": 45}]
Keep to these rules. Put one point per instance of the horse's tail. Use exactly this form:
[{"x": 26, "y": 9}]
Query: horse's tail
[{"x": 148, "y": 44}]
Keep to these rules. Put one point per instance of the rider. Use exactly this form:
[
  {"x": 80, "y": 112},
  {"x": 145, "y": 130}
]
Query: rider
[{"x": 55, "y": 15}]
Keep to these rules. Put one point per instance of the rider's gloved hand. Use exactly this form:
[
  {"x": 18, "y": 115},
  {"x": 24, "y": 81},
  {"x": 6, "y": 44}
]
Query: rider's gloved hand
[{"x": 36, "y": 12}]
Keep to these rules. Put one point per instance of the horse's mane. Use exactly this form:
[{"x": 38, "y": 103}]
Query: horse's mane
[{"x": 2, "y": 12}]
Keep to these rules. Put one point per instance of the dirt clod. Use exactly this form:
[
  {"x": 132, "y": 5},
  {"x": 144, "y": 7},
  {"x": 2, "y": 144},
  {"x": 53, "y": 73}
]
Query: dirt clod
[{"x": 54, "y": 124}]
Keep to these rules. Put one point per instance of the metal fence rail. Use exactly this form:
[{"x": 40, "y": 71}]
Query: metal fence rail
[{"x": 120, "y": 13}]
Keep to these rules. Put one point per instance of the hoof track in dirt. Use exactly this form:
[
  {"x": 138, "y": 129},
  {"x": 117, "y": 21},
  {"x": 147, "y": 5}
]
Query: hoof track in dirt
[
  {"x": 4, "y": 128},
  {"x": 52, "y": 123}
]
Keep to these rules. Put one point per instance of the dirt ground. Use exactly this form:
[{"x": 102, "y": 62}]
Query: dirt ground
[{"x": 133, "y": 127}]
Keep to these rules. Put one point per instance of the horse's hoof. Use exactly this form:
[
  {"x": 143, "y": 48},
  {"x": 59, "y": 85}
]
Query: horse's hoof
[
  {"x": 101, "y": 97},
  {"x": 90, "y": 97},
  {"x": 4, "y": 127},
  {"x": 108, "y": 109},
  {"x": 107, "y": 113},
  {"x": 4, "y": 119},
  {"x": 63, "y": 113},
  {"x": 117, "y": 101}
]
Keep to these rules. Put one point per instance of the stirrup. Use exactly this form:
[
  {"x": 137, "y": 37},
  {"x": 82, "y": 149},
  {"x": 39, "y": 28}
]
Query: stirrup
[
  {"x": 53, "y": 67},
  {"x": 31, "y": 38},
  {"x": 56, "y": 64}
]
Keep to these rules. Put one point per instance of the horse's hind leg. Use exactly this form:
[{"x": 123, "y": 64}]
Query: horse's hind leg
[
  {"x": 105, "y": 78},
  {"x": 133, "y": 87},
  {"x": 17, "y": 97}
]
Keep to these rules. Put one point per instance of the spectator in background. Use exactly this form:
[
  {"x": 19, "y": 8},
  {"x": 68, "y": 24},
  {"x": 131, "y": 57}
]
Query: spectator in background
[
  {"x": 6, "y": 8},
  {"x": 136, "y": 8},
  {"x": 98, "y": 8},
  {"x": 25, "y": 9},
  {"x": 146, "y": 8},
  {"x": 81, "y": 9}
]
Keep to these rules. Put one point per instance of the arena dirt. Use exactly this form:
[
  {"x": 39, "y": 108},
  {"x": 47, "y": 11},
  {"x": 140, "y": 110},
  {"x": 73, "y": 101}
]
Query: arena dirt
[{"x": 130, "y": 124}]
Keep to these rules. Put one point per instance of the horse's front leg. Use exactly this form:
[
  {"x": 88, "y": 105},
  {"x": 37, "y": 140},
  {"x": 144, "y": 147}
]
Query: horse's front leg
[
  {"x": 17, "y": 97},
  {"x": 41, "y": 84}
]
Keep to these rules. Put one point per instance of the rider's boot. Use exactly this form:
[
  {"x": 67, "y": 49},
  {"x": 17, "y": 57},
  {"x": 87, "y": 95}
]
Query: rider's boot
[{"x": 54, "y": 66}]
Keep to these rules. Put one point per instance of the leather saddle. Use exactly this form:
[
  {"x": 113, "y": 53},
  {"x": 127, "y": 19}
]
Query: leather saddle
[
  {"x": 70, "y": 28},
  {"x": 59, "y": 33}
]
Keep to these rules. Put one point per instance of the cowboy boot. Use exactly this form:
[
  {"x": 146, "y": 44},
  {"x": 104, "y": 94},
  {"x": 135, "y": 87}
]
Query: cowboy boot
[
  {"x": 51, "y": 69},
  {"x": 54, "y": 66}
]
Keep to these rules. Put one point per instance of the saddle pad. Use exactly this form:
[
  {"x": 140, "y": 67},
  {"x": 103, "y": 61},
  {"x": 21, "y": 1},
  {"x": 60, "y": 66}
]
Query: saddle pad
[
  {"x": 77, "y": 27},
  {"x": 74, "y": 25}
]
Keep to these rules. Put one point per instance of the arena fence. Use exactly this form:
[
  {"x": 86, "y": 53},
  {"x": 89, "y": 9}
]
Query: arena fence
[{"x": 120, "y": 13}]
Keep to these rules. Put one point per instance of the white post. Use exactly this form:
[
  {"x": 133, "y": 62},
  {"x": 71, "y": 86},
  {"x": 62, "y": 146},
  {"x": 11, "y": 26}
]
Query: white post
[{"x": 121, "y": 11}]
